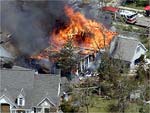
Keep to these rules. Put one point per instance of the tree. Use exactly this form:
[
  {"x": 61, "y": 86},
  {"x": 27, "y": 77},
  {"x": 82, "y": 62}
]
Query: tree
[
  {"x": 143, "y": 79},
  {"x": 67, "y": 107},
  {"x": 67, "y": 58},
  {"x": 143, "y": 72},
  {"x": 112, "y": 73},
  {"x": 83, "y": 95},
  {"x": 109, "y": 71}
]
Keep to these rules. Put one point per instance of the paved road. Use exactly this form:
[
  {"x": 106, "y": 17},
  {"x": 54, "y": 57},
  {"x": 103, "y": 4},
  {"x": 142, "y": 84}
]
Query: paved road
[{"x": 143, "y": 21}]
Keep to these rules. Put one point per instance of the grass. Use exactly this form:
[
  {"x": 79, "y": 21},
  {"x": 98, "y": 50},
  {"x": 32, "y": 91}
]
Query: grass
[
  {"x": 133, "y": 108},
  {"x": 140, "y": 4},
  {"x": 100, "y": 105},
  {"x": 144, "y": 40},
  {"x": 148, "y": 54},
  {"x": 133, "y": 5},
  {"x": 127, "y": 27}
]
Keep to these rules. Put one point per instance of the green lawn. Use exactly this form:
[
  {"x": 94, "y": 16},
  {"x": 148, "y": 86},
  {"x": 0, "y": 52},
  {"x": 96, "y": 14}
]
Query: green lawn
[
  {"x": 140, "y": 4},
  {"x": 134, "y": 6},
  {"x": 100, "y": 105},
  {"x": 133, "y": 108},
  {"x": 144, "y": 40}
]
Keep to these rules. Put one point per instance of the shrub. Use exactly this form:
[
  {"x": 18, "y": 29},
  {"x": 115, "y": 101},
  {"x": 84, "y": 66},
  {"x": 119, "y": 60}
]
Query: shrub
[{"x": 113, "y": 108}]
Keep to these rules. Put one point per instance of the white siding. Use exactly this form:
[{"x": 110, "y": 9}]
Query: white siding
[
  {"x": 21, "y": 97},
  {"x": 5, "y": 101},
  {"x": 58, "y": 90},
  {"x": 140, "y": 50}
]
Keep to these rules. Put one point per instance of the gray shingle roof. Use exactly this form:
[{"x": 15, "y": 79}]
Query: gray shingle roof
[
  {"x": 45, "y": 86},
  {"x": 17, "y": 78},
  {"x": 125, "y": 48},
  {"x": 36, "y": 87}
]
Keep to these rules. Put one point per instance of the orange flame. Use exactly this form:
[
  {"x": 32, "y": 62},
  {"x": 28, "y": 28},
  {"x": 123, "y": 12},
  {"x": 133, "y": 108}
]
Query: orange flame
[{"x": 84, "y": 33}]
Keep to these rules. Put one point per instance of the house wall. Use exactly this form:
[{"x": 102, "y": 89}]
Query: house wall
[
  {"x": 58, "y": 90},
  {"x": 84, "y": 63},
  {"x": 5, "y": 101},
  {"x": 113, "y": 45},
  {"x": 140, "y": 50},
  {"x": 42, "y": 106},
  {"x": 88, "y": 61}
]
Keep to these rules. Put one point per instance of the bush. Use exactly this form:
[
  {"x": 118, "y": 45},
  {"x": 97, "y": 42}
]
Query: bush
[
  {"x": 141, "y": 2},
  {"x": 8, "y": 65},
  {"x": 147, "y": 94},
  {"x": 67, "y": 107},
  {"x": 113, "y": 108},
  {"x": 105, "y": 89},
  {"x": 144, "y": 109}
]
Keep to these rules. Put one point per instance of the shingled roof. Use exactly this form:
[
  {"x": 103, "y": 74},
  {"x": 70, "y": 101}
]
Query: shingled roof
[
  {"x": 125, "y": 48},
  {"x": 35, "y": 87}
]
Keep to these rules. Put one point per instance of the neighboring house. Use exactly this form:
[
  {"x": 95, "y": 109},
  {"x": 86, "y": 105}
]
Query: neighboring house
[
  {"x": 4, "y": 53},
  {"x": 24, "y": 91},
  {"x": 127, "y": 49},
  {"x": 5, "y": 56}
]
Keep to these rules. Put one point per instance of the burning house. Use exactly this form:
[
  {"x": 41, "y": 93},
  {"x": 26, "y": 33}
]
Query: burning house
[
  {"x": 41, "y": 28},
  {"x": 87, "y": 35},
  {"x": 32, "y": 35}
]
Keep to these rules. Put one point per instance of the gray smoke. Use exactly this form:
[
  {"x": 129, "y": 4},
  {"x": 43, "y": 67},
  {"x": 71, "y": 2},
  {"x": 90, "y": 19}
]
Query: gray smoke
[{"x": 31, "y": 22}]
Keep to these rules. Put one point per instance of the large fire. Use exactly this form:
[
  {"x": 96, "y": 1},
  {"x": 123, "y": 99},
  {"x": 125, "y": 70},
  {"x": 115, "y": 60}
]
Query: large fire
[{"x": 84, "y": 33}]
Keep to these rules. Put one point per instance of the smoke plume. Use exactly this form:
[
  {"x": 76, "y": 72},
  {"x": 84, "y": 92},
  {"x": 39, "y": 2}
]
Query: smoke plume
[{"x": 31, "y": 22}]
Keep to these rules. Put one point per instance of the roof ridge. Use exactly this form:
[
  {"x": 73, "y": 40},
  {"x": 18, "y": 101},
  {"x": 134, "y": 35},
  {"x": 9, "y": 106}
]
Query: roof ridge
[{"x": 128, "y": 38}]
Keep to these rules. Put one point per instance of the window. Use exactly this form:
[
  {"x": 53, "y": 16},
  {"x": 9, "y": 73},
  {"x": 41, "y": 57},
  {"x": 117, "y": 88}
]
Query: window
[
  {"x": 20, "y": 111},
  {"x": 21, "y": 101},
  {"x": 46, "y": 110},
  {"x": 13, "y": 111},
  {"x": 131, "y": 16},
  {"x": 27, "y": 111}
]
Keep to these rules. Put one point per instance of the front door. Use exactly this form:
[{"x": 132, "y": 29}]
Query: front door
[{"x": 5, "y": 108}]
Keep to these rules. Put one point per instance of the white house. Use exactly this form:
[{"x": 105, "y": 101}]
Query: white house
[{"x": 127, "y": 49}]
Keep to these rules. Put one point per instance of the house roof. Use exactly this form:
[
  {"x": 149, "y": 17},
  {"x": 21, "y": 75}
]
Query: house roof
[
  {"x": 17, "y": 78},
  {"x": 45, "y": 87},
  {"x": 35, "y": 88},
  {"x": 125, "y": 48},
  {"x": 111, "y": 9}
]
